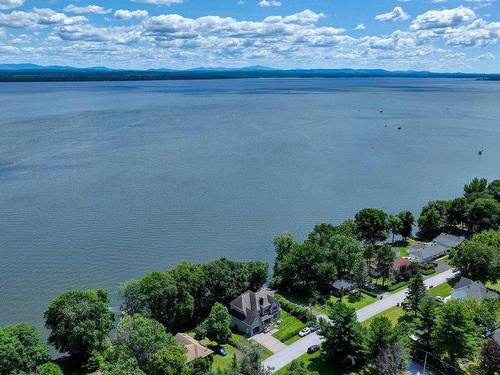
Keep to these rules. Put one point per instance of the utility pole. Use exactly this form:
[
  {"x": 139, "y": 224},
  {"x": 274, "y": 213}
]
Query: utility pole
[{"x": 425, "y": 362}]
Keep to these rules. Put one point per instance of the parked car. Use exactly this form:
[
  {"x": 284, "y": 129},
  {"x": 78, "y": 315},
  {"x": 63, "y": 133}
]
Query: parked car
[
  {"x": 221, "y": 351},
  {"x": 304, "y": 331},
  {"x": 314, "y": 327},
  {"x": 440, "y": 299},
  {"x": 312, "y": 349}
]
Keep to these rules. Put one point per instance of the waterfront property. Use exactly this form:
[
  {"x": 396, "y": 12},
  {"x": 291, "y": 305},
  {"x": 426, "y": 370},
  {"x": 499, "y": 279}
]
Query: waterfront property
[
  {"x": 194, "y": 348},
  {"x": 252, "y": 312},
  {"x": 425, "y": 253},
  {"x": 469, "y": 288},
  {"x": 343, "y": 286}
]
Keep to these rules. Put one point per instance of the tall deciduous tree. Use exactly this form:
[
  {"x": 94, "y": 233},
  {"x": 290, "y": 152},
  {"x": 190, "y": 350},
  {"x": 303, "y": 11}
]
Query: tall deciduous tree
[
  {"x": 345, "y": 343},
  {"x": 395, "y": 225},
  {"x": 380, "y": 335},
  {"x": 392, "y": 360},
  {"x": 416, "y": 293},
  {"x": 79, "y": 322},
  {"x": 455, "y": 336},
  {"x": 345, "y": 253},
  {"x": 49, "y": 369},
  {"x": 372, "y": 225},
  {"x": 21, "y": 349},
  {"x": 430, "y": 221},
  {"x": 170, "y": 361},
  {"x": 385, "y": 260},
  {"x": 477, "y": 185},
  {"x": 251, "y": 360},
  {"x": 140, "y": 337},
  {"x": 217, "y": 325},
  {"x": 407, "y": 222},
  {"x": 483, "y": 214}
]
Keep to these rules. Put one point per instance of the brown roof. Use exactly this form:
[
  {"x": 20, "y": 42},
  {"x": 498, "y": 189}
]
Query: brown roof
[
  {"x": 401, "y": 263},
  {"x": 194, "y": 348}
]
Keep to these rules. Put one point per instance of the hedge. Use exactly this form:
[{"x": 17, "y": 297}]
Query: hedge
[
  {"x": 393, "y": 287},
  {"x": 371, "y": 294},
  {"x": 427, "y": 272},
  {"x": 295, "y": 310}
]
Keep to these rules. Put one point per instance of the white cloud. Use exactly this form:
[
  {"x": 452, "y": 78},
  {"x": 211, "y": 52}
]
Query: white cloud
[
  {"x": 437, "y": 19},
  {"x": 37, "y": 17},
  {"x": 397, "y": 14},
  {"x": 10, "y": 4},
  {"x": 124, "y": 14},
  {"x": 269, "y": 3},
  {"x": 89, "y": 9},
  {"x": 361, "y": 26},
  {"x": 306, "y": 17},
  {"x": 486, "y": 56},
  {"x": 159, "y": 2},
  {"x": 89, "y": 33}
]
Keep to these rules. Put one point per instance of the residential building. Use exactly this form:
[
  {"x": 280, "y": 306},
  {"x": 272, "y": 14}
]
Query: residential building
[
  {"x": 252, "y": 312},
  {"x": 342, "y": 286},
  {"x": 427, "y": 252},
  {"x": 469, "y": 288},
  {"x": 194, "y": 348},
  {"x": 403, "y": 269}
]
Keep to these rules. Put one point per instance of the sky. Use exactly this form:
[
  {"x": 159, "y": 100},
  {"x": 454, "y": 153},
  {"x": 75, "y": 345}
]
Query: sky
[{"x": 436, "y": 35}]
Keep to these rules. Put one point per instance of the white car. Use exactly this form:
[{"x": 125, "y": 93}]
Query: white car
[
  {"x": 440, "y": 299},
  {"x": 304, "y": 332}
]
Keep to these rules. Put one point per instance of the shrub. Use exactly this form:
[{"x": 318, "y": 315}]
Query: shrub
[
  {"x": 395, "y": 286},
  {"x": 299, "y": 312},
  {"x": 371, "y": 294},
  {"x": 428, "y": 271}
]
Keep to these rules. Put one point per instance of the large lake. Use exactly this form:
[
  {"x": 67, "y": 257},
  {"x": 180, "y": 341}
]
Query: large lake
[{"x": 102, "y": 182}]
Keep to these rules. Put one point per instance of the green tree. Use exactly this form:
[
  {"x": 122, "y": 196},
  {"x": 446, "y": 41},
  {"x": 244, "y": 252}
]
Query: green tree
[
  {"x": 140, "y": 337},
  {"x": 494, "y": 189},
  {"x": 170, "y": 361},
  {"x": 455, "y": 336},
  {"x": 200, "y": 366},
  {"x": 361, "y": 275},
  {"x": 257, "y": 273},
  {"x": 345, "y": 342},
  {"x": 49, "y": 369},
  {"x": 113, "y": 361},
  {"x": 251, "y": 360},
  {"x": 385, "y": 260},
  {"x": 79, "y": 322},
  {"x": 372, "y": 225},
  {"x": 133, "y": 301},
  {"x": 490, "y": 358},
  {"x": 217, "y": 325},
  {"x": 479, "y": 258},
  {"x": 395, "y": 225},
  {"x": 345, "y": 253},
  {"x": 416, "y": 293},
  {"x": 456, "y": 211},
  {"x": 393, "y": 360},
  {"x": 380, "y": 335},
  {"x": 430, "y": 221},
  {"x": 21, "y": 349},
  {"x": 407, "y": 222},
  {"x": 427, "y": 316},
  {"x": 321, "y": 234},
  {"x": 484, "y": 313},
  {"x": 299, "y": 368},
  {"x": 477, "y": 185},
  {"x": 483, "y": 214}
]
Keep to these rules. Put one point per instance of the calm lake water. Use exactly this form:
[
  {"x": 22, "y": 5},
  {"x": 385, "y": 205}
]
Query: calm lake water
[{"x": 102, "y": 182}]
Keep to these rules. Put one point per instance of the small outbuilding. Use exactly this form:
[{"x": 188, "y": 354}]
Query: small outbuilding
[{"x": 194, "y": 348}]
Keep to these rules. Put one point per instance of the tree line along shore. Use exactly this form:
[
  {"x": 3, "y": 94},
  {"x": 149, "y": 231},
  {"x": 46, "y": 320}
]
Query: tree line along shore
[{"x": 196, "y": 301}]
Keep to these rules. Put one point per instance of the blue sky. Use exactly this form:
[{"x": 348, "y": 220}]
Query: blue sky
[{"x": 438, "y": 35}]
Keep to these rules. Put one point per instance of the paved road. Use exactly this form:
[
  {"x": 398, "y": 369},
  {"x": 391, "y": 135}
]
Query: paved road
[{"x": 298, "y": 348}]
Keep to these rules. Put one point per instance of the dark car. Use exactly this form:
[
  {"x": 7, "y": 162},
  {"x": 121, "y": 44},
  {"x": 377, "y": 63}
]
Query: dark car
[
  {"x": 314, "y": 327},
  {"x": 312, "y": 349},
  {"x": 221, "y": 351}
]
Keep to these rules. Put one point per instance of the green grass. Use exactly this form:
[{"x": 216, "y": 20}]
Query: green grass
[
  {"x": 403, "y": 247},
  {"x": 446, "y": 260},
  {"x": 353, "y": 301},
  {"x": 288, "y": 325},
  {"x": 316, "y": 362},
  {"x": 393, "y": 314},
  {"x": 443, "y": 290},
  {"x": 494, "y": 286}
]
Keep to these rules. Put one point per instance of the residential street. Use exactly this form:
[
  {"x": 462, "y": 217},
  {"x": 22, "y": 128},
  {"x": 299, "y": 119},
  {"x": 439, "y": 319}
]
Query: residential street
[{"x": 294, "y": 351}]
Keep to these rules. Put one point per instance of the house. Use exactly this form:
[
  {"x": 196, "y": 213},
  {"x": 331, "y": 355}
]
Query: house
[
  {"x": 194, "y": 348},
  {"x": 469, "y": 288},
  {"x": 496, "y": 336},
  {"x": 425, "y": 253},
  {"x": 403, "y": 269},
  {"x": 342, "y": 286},
  {"x": 252, "y": 312}
]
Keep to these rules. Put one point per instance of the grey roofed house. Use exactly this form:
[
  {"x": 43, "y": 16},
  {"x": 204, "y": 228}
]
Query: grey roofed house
[
  {"x": 496, "y": 336},
  {"x": 469, "y": 288},
  {"x": 425, "y": 253},
  {"x": 252, "y": 312},
  {"x": 342, "y": 285}
]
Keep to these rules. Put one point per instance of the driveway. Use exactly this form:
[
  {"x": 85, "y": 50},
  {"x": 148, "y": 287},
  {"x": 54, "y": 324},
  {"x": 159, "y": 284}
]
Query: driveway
[
  {"x": 269, "y": 342},
  {"x": 298, "y": 348}
]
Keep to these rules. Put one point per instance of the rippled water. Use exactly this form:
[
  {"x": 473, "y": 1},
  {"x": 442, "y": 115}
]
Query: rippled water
[{"x": 102, "y": 182}]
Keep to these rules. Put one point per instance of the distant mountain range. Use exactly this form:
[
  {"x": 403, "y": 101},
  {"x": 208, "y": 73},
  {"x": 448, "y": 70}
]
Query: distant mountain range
[{"x": 32, "y": 72}]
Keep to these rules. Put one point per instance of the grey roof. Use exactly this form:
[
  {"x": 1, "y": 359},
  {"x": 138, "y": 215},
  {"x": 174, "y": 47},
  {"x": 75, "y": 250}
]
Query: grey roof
[
  {"x": 449, "y": 240},
  {"x": 342, "y": 284},
  {"x": 429, "y": 251},
  {"x": 249, "y": 305},
  {"x": 496, "y": 335},
  {"x": 469, "y": 288}
]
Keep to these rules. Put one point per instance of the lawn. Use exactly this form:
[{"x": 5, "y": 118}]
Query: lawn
[
  {"x": 289, "y": 325},
  {"x": 494, "y": 286},
  {"x": 353, "y": 301},
  {"x": 443, "y": 290},
  {"x": 393, "y": 314},
  {"x": 315, "y": 362},
  {"x": 403, "y": 247}
]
